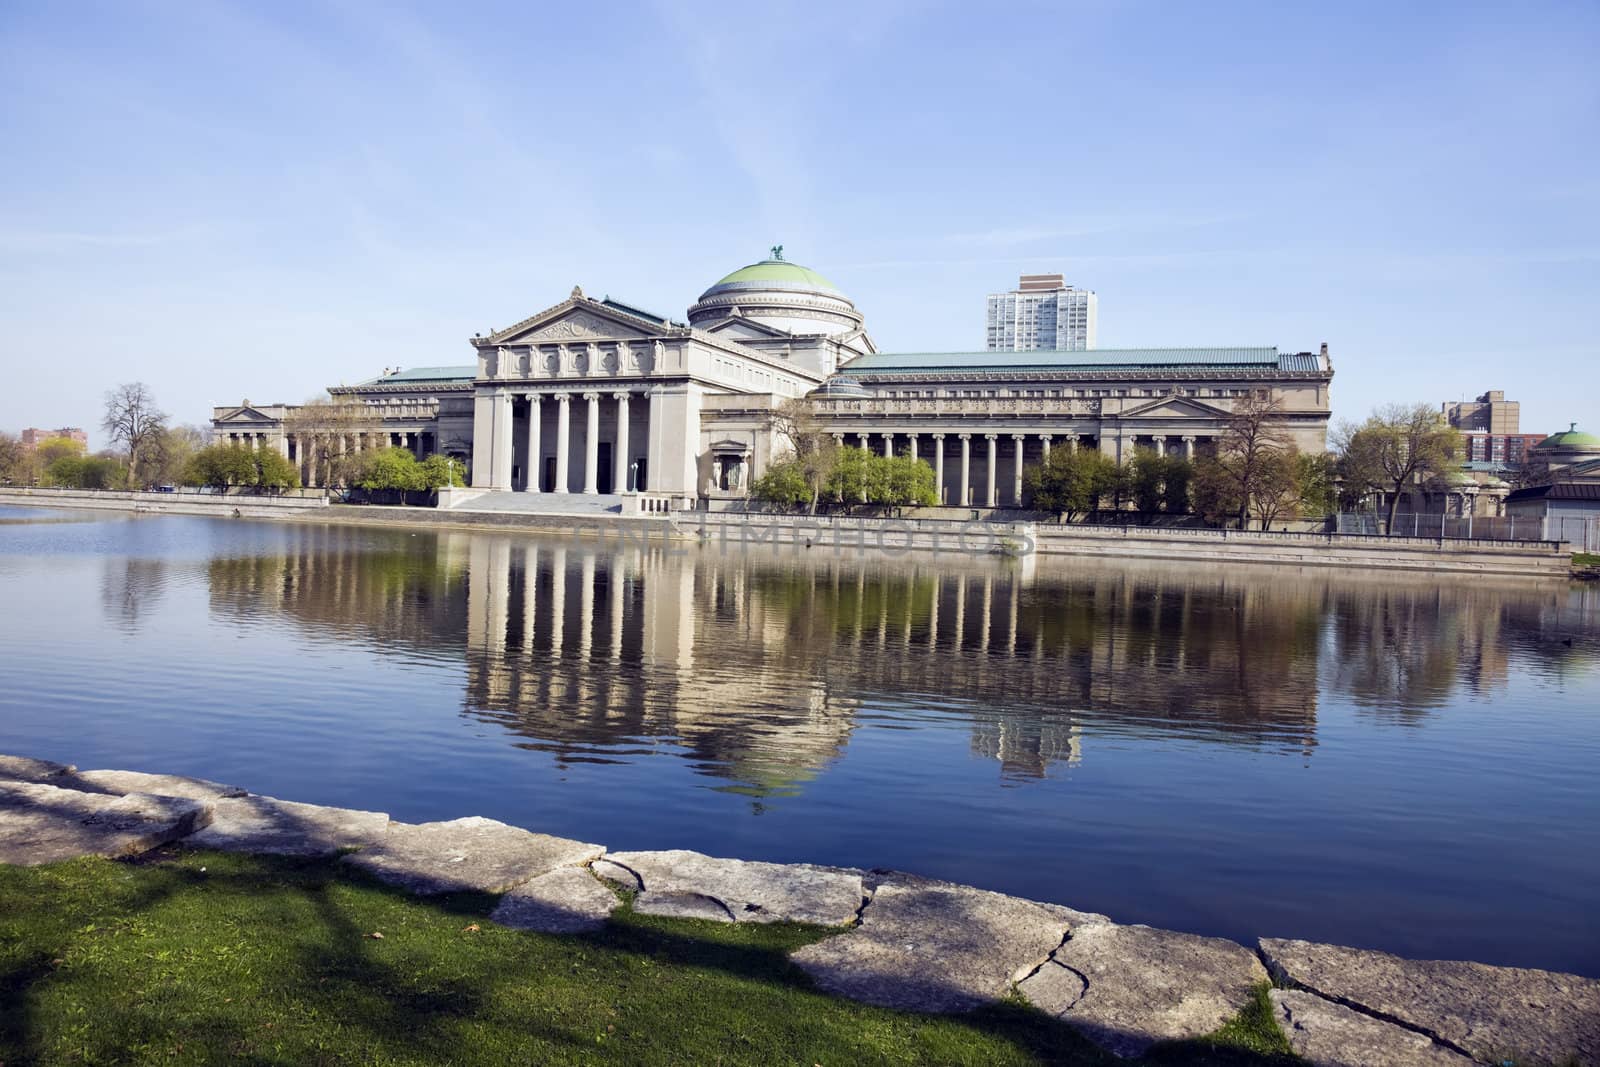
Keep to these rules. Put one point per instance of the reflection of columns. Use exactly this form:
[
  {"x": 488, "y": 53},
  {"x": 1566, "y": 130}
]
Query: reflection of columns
[
  {"x": 530, "y": 595},
  {"x": 586, "y": 604},
  {"x": 938, "y": 464},
  {"x": 1016, "y": 472},
  {"x": 558, "y": 600},
  {"x": 994, "y": 456},
  {"x": 961, "y": 612},
  {"x": 563, "y": 440},
  {"x": 1045, "y": 443},
  {"x": 988, "y": 612},
  {"x": 591, "y": 447},
  {"x": 614, "y": 577},
  {"x": 530, "y": 484},
  {"x": 933, "y": 608},
  {"x": 502, "y": 441},
  {"x": 965, "y": 492},
  {"x": 619, "y": 461}
]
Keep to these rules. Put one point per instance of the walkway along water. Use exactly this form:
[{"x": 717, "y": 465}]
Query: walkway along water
[{"x": 906, "y": 942}]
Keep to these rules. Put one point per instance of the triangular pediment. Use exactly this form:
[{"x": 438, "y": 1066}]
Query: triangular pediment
[
  {"x": 245, "y": 415},
  {"x": 1175, "y": 407},
  {"x": 578, "y": 319}
]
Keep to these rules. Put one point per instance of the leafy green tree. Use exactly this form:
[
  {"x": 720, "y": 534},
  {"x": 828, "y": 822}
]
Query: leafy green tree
[
  {"x": 85, "y": 472},
  {"x": 1147, "y": 473},
  {"x": 16, "y": 463},
  {"x": 1277, "y": 489},
  {"x": 847, "y": 481},
  {"x": 53, "y": 448},
  {"x": 1175, "y": 486},
  {"x": 273, "y": 471},
  {"x": 816, "y": 451},
  {"x": 1072, "y": 482},
  {"x": 439, "y": 470},
  {"x": 907, "y": 482},
  {"x": 228, "y": 466},
  {"x": 1215, "y": 491},
  {"x": 785, "y": 484},
  {"x": 1317, "y": 477},
  {"x": 388, "y": 468}
]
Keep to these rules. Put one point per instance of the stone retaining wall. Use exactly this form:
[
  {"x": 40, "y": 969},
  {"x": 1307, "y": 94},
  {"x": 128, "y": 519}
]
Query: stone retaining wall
[
  {"x": 904, "y": 942},
  {"x": 255, "y": 507}
]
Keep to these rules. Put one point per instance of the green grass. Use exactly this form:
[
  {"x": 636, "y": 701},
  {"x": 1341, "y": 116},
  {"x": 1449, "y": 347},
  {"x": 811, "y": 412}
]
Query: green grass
[
  {"x": 197, "y": 957},
  {"x": 1585, "y": 560}
]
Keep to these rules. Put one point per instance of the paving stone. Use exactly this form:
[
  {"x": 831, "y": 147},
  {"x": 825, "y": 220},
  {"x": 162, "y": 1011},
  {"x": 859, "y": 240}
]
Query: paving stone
[
  {"x": 467, "y": 854},
  {"x": 568, "y": 900},
  {"x": 25, "y": 769},
  {"x": 259, "y": 824},
  {"x": 1127, "y": 987},
  {"x": 1326, "y": 1034},
  {"x": 935, "y": 947},
  {"x": 1490, "y": 1013},
  {"x": 46, "y": 824},
  {"x": 615, "y": 872},
  {"x": 682, "y": 906},
  {"x": 751, "y": 891},
  {"x": 163, "y": 785}
]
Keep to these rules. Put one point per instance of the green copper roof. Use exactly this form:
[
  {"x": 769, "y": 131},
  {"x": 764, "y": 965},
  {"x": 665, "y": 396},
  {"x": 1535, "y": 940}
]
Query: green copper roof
[
  {"x": 427, "y": 374},
  {"x": 1573, "y": 438},
  {"x": 776, "y": 273},
  {"x": 1092, "y": 359}
]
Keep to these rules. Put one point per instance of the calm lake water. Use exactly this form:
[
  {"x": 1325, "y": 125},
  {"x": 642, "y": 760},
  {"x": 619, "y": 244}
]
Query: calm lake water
[{"x": 1401, "y": 762}]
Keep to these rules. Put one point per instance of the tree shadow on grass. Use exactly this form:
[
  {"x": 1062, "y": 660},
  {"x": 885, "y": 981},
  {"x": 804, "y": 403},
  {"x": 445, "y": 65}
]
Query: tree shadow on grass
[{"x": 258, "y": 960}]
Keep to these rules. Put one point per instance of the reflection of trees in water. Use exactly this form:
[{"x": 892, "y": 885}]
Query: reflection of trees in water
[
  {"x": 130, "y": 587},
  {"x": 345, "y": 582}
]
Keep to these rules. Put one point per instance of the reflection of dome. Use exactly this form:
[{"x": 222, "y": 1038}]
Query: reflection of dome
[
  {"x": 841, "y": 387},
  {"x": 777, "y": 293}
]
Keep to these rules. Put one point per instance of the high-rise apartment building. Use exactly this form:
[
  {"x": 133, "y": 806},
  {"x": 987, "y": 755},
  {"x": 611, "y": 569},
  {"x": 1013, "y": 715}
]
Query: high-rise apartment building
[
  {"x": 1490, "y": 413},
  {"x": 32, "y": 437},
  {"x": 1043, "y": 311}
]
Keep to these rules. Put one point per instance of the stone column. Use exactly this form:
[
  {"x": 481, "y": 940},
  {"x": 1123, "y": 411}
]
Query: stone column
[
  {"x": 866, "y": 440},
  {"x": 888, "y": 445},
  {"x": 964, "y": 494},
  {"x": 563, "y": 440},
  {"x": 530, "y": 484},
  {"x": 1188, "y": 446},
  {"x": 938, "y": 464},
  {"x": 619, "y": 458},
  {"x": 911, "y": 448},
  {"x": 1044, "y": 439},
  {"x": 502, "y": 441},
  {"x": 1161, "y": 446},
  {"x": 1072, "y": 442},
  {"x": 994, "y": 456},
  {"x": 591, "y": 446},
  {"x": 1016, "y": 473}
]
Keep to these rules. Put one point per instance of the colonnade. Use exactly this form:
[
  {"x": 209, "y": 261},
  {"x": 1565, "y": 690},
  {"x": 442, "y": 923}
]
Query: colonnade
[
  {"x": 497, "y": 413},
  {"x": 1013, "y": 451}
]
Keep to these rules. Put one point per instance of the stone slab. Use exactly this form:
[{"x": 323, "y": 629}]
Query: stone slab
[
  {"x": 615, "y": 872},
  {"x": 163, "y": 785},
  {"x": 267, "y": 825},
  {"x": 568, "y": 900},
  {"x": 1127, "y": 987},
  {"x": 472, "y": 854},
  {"x": 935, "y": 947},
  {"x": 750, "y": 891},
  {"x": 1325, "y": 1034},
  {"x": 682, "y": 906},
  {"x": 1490, "y": 1013},
  {"x": 46, "y": 824},
  {"x": 26, "y": 769}
]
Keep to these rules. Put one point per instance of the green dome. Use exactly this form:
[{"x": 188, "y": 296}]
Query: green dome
[
  {"x": 774, "y": 274},
  {"x": 1573, "y": 439}
]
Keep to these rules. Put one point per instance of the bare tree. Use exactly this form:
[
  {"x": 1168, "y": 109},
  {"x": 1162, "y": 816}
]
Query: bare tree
[
  {"x": 1253, "y": 443},
  {"x": 1400, "y": 446},
  {"x": 325, "y": 427},
  {"x": 134, "y": 423}
]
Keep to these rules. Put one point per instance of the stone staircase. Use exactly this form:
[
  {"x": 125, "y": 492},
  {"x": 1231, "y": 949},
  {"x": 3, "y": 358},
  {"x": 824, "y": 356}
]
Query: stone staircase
[{"x": 504, "y": 502}]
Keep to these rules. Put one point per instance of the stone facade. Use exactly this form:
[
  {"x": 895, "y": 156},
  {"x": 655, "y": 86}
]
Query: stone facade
[{"x": 598, "y": 397}]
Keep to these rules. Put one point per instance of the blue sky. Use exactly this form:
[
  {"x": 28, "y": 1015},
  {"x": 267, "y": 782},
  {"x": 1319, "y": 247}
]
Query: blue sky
[{"x": 229, "y": 200}]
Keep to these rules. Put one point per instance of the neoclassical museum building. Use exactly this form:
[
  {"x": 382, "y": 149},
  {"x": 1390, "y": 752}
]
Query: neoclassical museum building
[{"x": 598, "y": 397}]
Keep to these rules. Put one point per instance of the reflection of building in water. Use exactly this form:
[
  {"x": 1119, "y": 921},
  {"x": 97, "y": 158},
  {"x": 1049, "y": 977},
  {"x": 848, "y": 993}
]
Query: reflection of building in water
[{"x": 756, "y": 667}]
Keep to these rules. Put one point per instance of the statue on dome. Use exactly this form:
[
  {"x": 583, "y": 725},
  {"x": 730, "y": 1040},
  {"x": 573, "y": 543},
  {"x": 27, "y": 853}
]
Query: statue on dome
[{"x": 777, "y": 252}]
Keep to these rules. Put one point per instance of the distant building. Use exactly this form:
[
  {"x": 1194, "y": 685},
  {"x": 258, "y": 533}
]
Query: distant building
[
  {"x": 33, "y": 437},
  {"x": 1043, "y": 311},
  {"x": 1564, "y": 470},
  {"x": 1491, "y": 413},
  {"x": 1499, "y": 451}
]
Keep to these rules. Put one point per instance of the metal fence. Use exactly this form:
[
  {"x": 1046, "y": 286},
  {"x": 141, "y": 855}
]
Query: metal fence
[{"x": 1583, "y": 533}]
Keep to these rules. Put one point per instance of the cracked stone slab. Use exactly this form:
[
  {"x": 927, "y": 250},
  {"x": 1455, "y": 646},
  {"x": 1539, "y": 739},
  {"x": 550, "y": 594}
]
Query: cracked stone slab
[
  {"x": 1127, "y": 987},
  {"x": 683, "y": 906},
  {"x": 1326, "y": 1034},
  {"x": 1490, "y": 1013},
  {"x": 568, "y": 900},
  {"x": 932, "y": 946},
  {"x": 615, "y": 872},
  {"x": 164, "y": 785},
  {"x": 267, "y": 825},
  {"x": 467, "y": 854},
  {"x": 46, "y": 824},
  {"x": 750, "y": 891},
  {"x": 26, "y": 769}
]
